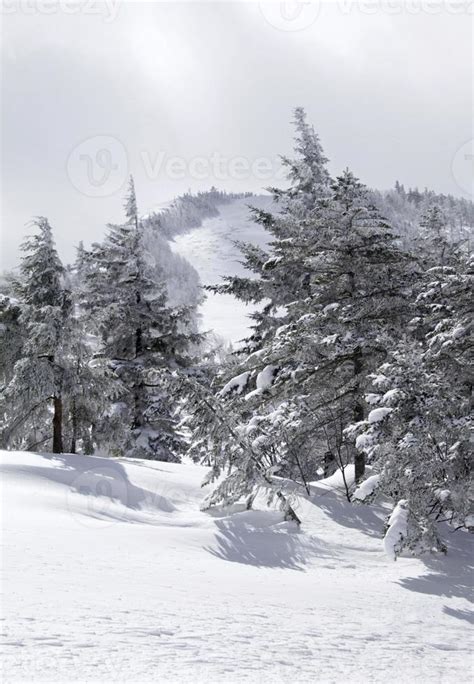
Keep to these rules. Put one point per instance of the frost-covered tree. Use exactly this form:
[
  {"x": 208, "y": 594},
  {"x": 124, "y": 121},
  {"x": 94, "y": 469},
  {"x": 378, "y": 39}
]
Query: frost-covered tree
[
  {"x": 432, "y": 240},
  {"x": 11, "y": 343},
  {"x": 228, "y": 446},
  {"x": 36, "y": 388},
  {"x": 307, "y": 172},
  {"x": 11, "y": 338},
  {"x": 280, "y": 274},
  {"x": 87, "y": 387},
  {"x": 337, "y": 283},
  {"x": 417, "y": 433},
  {"x": 142, "y": 339}
]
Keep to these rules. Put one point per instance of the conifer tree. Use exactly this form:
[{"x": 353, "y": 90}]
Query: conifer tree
[
  {"x": 417, "y": 432},
  {"x": 142, "y": 339},
  {"x": 38, "y": 379},
  {"x": 11, "y": 344},
  {"x": 337, "y": 282}
]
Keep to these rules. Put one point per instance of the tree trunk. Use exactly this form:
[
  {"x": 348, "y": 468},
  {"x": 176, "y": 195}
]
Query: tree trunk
[
  {"x": 138, "y": 342},
  {"x": 137, "y": 411},
  {"x": 359, "y": 465},
  {"x": 58, "y": 425},
  {"x": 74, "y": 428},
  {"x": 359, "y": 456}
]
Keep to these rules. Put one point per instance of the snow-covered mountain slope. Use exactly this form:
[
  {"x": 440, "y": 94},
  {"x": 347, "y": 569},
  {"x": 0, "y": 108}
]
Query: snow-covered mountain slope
[
  {"x": 111, "y": 573},
  {"x": 210, "y": 249}
]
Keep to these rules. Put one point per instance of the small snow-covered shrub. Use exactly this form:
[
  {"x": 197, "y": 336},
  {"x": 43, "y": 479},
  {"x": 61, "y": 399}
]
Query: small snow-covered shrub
[
  {"x": 366, "y": 489},
  {"x": 397, "y": 530}
]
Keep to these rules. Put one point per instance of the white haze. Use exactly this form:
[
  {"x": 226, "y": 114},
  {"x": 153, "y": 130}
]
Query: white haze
[{"x": 389, "y": 90}]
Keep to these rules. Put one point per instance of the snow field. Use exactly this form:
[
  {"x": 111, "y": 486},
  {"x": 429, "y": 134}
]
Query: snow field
[{"x": 111, "y": 573}]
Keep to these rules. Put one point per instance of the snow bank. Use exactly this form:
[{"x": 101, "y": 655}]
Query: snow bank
[
  {"x": 265, "y": 377},
  {"x": 364, "y": 441},
  {"x": 335, "y": 482},
  {"x": 236, "y": 385},
  {"x": 366, "y": 488},
  {"x": 378, "y": 414},
  {"x": 397, "y": 530}
]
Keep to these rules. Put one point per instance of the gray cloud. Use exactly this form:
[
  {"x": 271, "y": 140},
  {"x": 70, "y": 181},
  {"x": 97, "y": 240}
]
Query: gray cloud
[{"x": 186, "y": 88}]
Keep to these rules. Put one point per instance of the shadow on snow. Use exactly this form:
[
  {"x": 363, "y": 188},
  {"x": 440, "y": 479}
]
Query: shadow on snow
[
  {"x": 262, "y": 539},
  {"x": 450, "y": 575}
]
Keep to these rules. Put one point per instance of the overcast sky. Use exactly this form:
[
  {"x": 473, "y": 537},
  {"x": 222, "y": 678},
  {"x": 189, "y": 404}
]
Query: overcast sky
[{"x": 186, "y": 95}]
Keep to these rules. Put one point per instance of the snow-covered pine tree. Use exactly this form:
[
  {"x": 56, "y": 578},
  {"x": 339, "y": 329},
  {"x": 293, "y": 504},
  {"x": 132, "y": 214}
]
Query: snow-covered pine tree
[
  {"x": 280, "y": 276},
  {"x": 11, "y": 343},
  {"x": 337, "y": 282},
  {"x": 142, "y": 339},
  {"x": 38, "y": 379},
  {"x": 417, "y": 432},
  {"x": 307, "y": 172},
  {"x": 87, "y": 387},
  {"x": 354, "y": 314},
  {"x": 432, "y": 241},
  {"x": 11, "y": 338}
]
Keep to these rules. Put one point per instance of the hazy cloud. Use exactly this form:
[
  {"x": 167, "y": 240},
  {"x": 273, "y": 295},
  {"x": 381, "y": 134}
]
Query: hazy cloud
[{"x": 195, "y": 94}]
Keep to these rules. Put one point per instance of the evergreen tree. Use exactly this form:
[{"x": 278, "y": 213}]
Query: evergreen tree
[
  {"x": 281, "y": 276},
  {"x": 11, "y": 344},
  {"x": 432, "y": 242},
  {"x": 417, "y": 432},
  {"x": 142, "y": 339},
  {"x": 307, "y": 172},
  {"x": 38, "y": 378},
  {"x": 87, "y": 387},
  {"x": 338, "y": 283}
]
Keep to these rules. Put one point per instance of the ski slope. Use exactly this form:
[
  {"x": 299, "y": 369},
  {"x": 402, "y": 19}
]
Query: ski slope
[
  {"x": 111, "y": 573},
  {"x": 211, "y": 250}
]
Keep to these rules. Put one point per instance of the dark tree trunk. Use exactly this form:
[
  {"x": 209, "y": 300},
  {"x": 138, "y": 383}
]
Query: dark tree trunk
[
  {"x": 359, "y": 456},
  {"x": 137, "y": 413},
  {"x": 138, "y": 341},
  {"x": 359, "y": 465},
  {"x": 330, "y": 465},
  {"x": 137, "y": 416},
  {"x": 74, "y": 428},
  {"x": 58, "y": 425}
]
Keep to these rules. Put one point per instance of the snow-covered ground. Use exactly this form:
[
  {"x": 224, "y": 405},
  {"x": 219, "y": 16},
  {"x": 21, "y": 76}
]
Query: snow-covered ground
[
  {"x": 111, "y": 573},
  {"x": 210, "y": 249}
]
